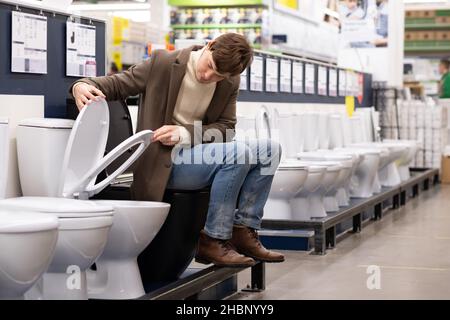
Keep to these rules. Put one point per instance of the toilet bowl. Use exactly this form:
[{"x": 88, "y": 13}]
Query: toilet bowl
[
  {"x": 27, "y": 246},
  {"x": 135, "y": 224},
  {"x": 77, "y": 167},
  {"x": 314, "y": 200},
  {"x": 27, "y": 240},
  {"x": 348, "y": 162},
  {"x": 288, "y": 178},
  {"x": 297, "y": 133},
  {"x": 388, "y": 172},
  {"x": 82, "y": 235},
  {"x": 403, "y": 163}
]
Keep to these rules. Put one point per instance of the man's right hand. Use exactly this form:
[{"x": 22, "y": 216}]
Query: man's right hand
[{"x": 85, "y": 93}]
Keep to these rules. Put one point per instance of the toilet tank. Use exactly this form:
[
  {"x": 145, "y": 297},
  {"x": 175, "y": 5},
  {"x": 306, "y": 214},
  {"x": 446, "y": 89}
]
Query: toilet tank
[{"x": 41, "y": 144}]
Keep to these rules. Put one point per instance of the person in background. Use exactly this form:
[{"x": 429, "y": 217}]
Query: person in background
[
  {"x": 350, "y": 10},
  {"x": 444, "y": 85}
]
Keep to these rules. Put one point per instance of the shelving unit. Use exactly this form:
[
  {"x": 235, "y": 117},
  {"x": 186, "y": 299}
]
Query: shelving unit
[{"x": 216, "y": 26}]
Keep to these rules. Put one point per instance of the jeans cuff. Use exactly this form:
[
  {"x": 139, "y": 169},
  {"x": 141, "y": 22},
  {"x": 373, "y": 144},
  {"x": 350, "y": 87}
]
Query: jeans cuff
[
  {"x": 247, "y": 223},
  {"x": 220, "y": 236}
]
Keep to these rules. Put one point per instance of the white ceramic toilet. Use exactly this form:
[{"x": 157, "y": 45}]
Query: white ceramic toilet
[
  {"x": 81, "y": 161},
  {"x": 27, "y": 240},
  {"x": 364, "y": 181},
  {"x": 404, "y": 162},
  {"x": 288, "y": 178},
  {"x": 290, "y": 128}
]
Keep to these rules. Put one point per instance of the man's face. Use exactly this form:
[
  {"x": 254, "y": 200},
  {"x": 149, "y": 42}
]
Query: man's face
[
  {"x": 442, "y": 68},
  {"x": 206, "y": 69},
  {"x": 351, "y": 4}
]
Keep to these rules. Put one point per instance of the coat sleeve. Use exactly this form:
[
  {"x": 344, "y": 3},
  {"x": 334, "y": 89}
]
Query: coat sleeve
[
  {"x": 122, "y": 85},
  {"x": 222, "y": 130}
]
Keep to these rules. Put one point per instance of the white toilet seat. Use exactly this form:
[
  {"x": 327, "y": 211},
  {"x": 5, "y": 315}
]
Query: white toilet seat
[{"x": 23, "y": 221}]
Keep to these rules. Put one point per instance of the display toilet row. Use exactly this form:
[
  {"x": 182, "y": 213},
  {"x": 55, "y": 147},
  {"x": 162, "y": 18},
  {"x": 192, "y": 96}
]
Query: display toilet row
[
  {"x": 54, "y": 234},
  {"x": 327, "y": 158}
]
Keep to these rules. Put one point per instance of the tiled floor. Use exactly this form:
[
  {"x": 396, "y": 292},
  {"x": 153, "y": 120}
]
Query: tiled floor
[{"x": 411, "y": 247}]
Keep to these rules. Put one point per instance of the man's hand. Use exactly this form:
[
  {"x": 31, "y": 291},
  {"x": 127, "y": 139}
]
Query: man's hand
[
  {"x": 167, "y": 135},
  {"x": 85, "y": 93}
]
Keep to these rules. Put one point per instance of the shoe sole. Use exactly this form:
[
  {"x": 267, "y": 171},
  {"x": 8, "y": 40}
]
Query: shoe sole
[
  {"x": 263, "y": 260},
  {"x": 204, "y": 261}
]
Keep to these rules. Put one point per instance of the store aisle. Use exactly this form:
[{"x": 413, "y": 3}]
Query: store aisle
[{"x": 410, "y": 245}]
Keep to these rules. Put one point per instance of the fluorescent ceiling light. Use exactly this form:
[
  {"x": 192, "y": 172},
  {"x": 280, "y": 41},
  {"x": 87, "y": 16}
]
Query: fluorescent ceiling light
[{"x": 109, "y": 6}]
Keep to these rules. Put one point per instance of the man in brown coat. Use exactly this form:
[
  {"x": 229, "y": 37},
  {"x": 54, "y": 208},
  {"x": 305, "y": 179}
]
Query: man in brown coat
[{"x": 189, "y": 101}]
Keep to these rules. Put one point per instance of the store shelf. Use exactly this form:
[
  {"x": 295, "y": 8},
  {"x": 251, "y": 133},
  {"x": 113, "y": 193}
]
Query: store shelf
[
  {"x": 215, "y": 26},
  {"x": 426, "y": 26},
  {"x": 217, "y": 3},
  {"x": 427, "y": 49}
]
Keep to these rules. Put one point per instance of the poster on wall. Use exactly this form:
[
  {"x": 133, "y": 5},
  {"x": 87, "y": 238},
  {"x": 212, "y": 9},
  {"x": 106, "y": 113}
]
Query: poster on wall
[
  {"x": 364, "y": 23},
  {"x": 80, "y": 50},
  {"x": 28, "y": 43}
]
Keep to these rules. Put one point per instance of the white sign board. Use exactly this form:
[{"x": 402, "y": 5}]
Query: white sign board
[
  {"x": 332, "y": 83},
  {"x": 342, "y": 83},
  {"x": 322, "y": 81},
  {"x": 285, "y": 75},
  {"x": 80, "y": 46},
  {"x": 297, "y": 77},
  {"x": 310, "y": 78},
  {"x": 272, "y": 75},
  {"x": 256, "y": 74},
  {"x": 28, "y": 43},
  {"x": 243, "y": 83}
]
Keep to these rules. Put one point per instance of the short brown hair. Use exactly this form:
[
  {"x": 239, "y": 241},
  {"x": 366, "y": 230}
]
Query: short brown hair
[
  {"x": 231, "y": 53},
  {"x": 445, "y": 63}
]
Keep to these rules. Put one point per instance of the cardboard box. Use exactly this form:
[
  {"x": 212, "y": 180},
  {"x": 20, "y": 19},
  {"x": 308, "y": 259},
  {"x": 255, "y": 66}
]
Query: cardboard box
[
  {"x": 428, "y": 14},
  {"x": 445, "y": 169},
  {"x": 409, "y": 14},
  {"x": 442, "y": 20},
  {"x": 426, "y": 35},
  {"x": 442, "y": 35}
]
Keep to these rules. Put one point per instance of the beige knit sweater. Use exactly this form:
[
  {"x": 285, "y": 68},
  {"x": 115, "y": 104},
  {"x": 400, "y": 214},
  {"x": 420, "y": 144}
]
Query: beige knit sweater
[{"x": 193, "y": 98}]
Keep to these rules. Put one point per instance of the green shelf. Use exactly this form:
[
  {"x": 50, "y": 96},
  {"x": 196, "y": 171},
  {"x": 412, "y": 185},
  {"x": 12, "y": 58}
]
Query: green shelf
[
  {"x": 216, "y": 3},
  {"x": 216, "y": 26},
  {"x": 427, "y": 26}
]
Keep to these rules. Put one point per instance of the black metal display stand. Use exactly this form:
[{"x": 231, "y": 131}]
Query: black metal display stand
[{"x": 325, "y": 228}]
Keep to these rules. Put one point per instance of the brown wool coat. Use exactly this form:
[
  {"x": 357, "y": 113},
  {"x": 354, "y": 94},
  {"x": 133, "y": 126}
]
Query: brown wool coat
[{"x": 158, "y": 80}]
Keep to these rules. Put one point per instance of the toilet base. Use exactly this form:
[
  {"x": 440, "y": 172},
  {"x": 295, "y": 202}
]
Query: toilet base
[
  {"x": 330, "y": 203},
  {"x": 389, "y": 176},
  {"x": 404, "y": 173},
  {"x": 115, "y": 279},
  {"x": 300, "y": 209},
  {"x": 277, "y": 209},
  {"x": 343, "y": 198},
  {"x": 59, "y": 286},
  {"x": 376, "y": 185}
]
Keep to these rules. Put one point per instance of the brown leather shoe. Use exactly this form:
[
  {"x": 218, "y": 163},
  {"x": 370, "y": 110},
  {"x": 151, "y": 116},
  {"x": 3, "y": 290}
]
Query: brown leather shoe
[
  {"x": 246, "y": 241},
  {"x": 220, "y": 253}
]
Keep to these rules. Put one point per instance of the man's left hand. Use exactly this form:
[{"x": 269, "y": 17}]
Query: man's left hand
[{"x": 167, "y": 135}]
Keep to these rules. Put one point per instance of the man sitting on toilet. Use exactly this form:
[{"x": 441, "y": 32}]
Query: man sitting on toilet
[{"x": 188, "y": 98}]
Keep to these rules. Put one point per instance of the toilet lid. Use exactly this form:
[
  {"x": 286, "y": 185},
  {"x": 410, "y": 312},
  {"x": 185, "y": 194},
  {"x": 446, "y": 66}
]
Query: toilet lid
[
  {"x": 84, "y": 157},
  {"x": 47, "y": 123},
  {"x": 290, "y": 164},
  {"x": 4, "y": 121},
  {"x": 22, "y": 221},
  {"x": 61, "y": 207}
]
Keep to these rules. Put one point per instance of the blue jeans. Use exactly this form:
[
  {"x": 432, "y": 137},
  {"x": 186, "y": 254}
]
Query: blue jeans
[{"x": 240, "y": 175}]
